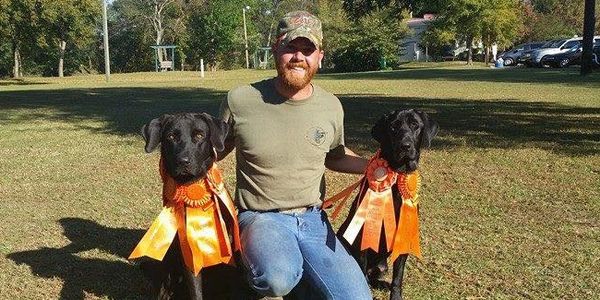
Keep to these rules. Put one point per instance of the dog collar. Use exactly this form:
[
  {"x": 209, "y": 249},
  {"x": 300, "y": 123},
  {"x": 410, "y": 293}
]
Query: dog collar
[{"x": 194, "y": 212}]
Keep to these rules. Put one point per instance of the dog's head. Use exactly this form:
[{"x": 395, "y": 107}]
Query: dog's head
[
  {"x": 402, "y": 134},
  {"x": 189, "y": 142}
]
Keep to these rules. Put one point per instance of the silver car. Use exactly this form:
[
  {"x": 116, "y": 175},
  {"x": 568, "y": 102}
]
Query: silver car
[{"x": 554, "y": 47}]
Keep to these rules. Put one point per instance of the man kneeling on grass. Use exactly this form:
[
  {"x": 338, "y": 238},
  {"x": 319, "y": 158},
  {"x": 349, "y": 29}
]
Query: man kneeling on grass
[{"x": 286, "y": 130}]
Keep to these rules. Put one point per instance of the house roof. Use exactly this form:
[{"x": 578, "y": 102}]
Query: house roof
[{"x": 420, "y": 21}]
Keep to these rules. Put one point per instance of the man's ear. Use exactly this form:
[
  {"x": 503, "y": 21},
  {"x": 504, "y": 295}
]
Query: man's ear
[
  {"x": 321, "y": 56},
  {"x": 151, "y": 133},
  {"x": 430, "y": 128},
  {"x": 218, "y": 130},
  {"x": 379, "y": 130}
]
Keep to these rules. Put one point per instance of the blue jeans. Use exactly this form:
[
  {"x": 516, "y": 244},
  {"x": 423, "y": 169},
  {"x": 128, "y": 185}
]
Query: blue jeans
[{"x": 278, "y": 250}]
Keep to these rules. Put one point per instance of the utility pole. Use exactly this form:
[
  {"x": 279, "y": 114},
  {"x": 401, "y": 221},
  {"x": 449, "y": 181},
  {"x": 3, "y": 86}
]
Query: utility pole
[
  {"x": 106, "y": 53},
  {"x": 246, "y": 35},
  {"x": 589, "y": 21}
]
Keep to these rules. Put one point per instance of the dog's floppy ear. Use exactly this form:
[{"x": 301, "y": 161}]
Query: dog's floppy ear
[
  {"x": 378, "y": 132},
  {"x": 430, "y": 129},
  {"x": 218, "y": 131},
  {"x": 151, "y": 133}
]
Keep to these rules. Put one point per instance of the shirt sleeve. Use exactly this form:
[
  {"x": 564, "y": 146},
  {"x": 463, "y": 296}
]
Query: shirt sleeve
[
  {"x": 225, "y": 112},
  {"x": 226, "y": 115},
  {"x": 337, "y": 146}
]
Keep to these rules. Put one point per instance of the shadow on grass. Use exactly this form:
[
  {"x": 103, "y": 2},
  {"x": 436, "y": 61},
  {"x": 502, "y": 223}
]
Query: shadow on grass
[
  {"x": 485, "y": 124},
  {"x": 503, "y": 124},
  {"x": 81, "y": 275},
  {"x": 568, "y": 76},
  {"x": 124, "y": 110},
  {"x": 7, "y": 82}
]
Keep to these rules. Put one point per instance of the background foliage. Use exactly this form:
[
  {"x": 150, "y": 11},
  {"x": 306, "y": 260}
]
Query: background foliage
[{"x": 359, "y": 34}]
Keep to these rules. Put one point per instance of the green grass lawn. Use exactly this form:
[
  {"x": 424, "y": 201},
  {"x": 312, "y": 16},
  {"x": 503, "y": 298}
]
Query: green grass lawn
[{"x": 510, "y": 204}]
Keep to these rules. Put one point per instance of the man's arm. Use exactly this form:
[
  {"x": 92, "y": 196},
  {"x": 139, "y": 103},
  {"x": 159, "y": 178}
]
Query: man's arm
[
  {"x": 347, "y": 162},
  {"x": 225, "y": 115}
]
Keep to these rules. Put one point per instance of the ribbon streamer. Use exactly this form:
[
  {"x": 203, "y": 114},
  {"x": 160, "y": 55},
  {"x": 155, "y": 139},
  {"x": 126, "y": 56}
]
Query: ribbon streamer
[
  {"x": 195, "y": 212},
  {"x": 407, "y": 234}
]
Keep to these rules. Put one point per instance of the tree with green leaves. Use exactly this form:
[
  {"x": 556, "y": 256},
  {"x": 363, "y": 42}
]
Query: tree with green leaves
[
  {"x": 553, "y": 19},
  {"x": 130, "y": 38},
  {"x": 370, "y": 43},
  {"x": 462, "y": 18},
  {"x": 500, "y": 24},
  {"x": 68, "y": 23},
  {"x": 166, "y": 18},
  {"x": 4, "y": 35},
  {"x": 336, "y": 25},
  {"x": 216, "y": 34},
  {"x": 490, "y": 21},
  {"x": 18, "y": 27},
  {"x": 359, "y": 8}
]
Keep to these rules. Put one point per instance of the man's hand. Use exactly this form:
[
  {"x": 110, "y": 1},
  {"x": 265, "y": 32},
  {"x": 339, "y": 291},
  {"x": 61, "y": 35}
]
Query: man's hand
[{"x": 347, "y": 162}]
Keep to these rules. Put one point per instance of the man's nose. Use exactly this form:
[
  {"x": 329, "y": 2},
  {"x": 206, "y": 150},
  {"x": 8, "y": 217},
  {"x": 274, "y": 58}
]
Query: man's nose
[{"x": 298, "y": 56}]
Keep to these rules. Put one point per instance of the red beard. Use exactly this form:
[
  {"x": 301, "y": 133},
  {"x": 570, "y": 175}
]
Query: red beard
[{"x": 292, "y": 80}]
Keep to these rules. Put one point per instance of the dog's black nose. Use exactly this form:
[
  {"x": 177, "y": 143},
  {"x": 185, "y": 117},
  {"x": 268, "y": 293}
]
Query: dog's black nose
[{"x": 184, "y": 160}]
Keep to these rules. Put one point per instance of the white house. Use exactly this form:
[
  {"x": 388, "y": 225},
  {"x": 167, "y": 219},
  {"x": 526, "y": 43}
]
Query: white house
[{"x": 412, "y": 52}]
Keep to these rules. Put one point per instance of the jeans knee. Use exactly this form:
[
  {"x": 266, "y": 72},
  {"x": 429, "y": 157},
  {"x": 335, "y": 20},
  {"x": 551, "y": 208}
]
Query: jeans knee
[{"x": 276, "y": 284}]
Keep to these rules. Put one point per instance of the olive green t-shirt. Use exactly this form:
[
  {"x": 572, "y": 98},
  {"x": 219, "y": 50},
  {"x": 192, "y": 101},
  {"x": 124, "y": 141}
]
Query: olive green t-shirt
[{"x": 281, "y": 145}]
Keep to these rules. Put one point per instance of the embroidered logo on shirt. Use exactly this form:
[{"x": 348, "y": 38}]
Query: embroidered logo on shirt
[{"x": 316, "y": 136}]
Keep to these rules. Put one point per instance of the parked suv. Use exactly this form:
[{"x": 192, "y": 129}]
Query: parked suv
[
  {"x": 513, "y": 56},
  {"x": 553, "y": 47},
  {"x": 571, "y": 57}
]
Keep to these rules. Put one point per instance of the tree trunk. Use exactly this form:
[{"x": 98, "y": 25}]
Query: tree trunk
[
  {"x": 17, "y": 61},
  {"x": 62, "y": 46},
  {"x": 589, "y": 22},
  {"x": 469, "y": 50},
  {"x": 487, "y": 55}
]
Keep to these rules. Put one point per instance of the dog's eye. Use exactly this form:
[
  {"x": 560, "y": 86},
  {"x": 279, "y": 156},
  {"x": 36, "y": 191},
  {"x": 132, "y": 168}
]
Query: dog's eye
[
  {"x": 198, "y": 136},
  {"x": 171, "y": 136}
]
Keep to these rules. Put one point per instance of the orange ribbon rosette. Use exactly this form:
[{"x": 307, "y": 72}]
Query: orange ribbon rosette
[
  {"x": 376, "y": 210},
  {"x": 194, "y": 211}
]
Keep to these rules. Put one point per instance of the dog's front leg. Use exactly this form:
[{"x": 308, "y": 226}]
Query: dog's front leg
[
  {"x": 363, "y": 263},
  {"x": 397, "y": 277},
  {"x": 194, "y": 284}
]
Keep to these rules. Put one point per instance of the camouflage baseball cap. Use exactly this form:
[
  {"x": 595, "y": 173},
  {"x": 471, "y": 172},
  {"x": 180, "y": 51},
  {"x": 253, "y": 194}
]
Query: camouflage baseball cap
[{"x": 299, "y": 24}]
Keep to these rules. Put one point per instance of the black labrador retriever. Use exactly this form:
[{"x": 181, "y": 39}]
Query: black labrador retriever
[
  {"x": 188, "y": 143},
  {"x": 401, "y": 135}
]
